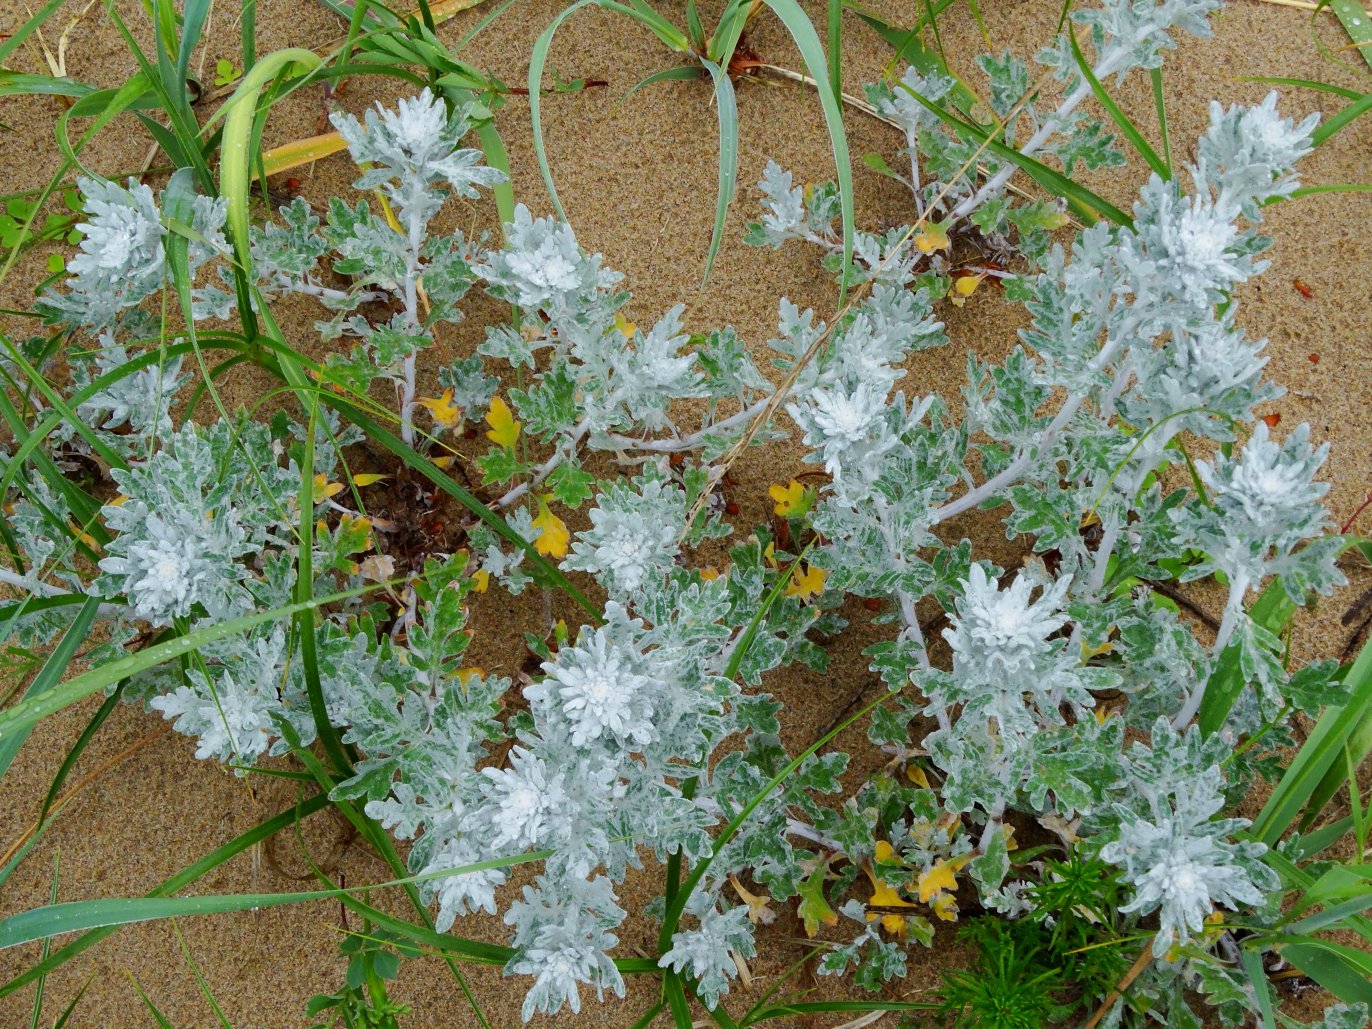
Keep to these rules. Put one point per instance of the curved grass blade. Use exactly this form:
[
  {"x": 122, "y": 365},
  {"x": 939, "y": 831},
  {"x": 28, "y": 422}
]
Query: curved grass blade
[
  {"x": 1355, "y": 22},
  {"x": 235, "y": 157},
  {"x": 16, "y": 38},
  {"x": 109, "y": 913},
  {"x": 537, "y": 59},
  {"x": 1282, "y": 80},
  {"x": 1160, "y": 105},
  {"x": 665, "y": 75},
  {"x": 797, "y": 23},
  {"x": 726, "y": 105},
  {"x": 834, "y": 39},
  {"x": 678, "y": 906},
  {"x": 1318, "y": 755}
]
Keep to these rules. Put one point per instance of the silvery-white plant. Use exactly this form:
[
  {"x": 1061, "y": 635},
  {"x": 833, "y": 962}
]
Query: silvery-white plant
[{"x": 648, "y": 730}]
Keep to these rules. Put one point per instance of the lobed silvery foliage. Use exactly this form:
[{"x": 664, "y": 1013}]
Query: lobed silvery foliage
[{"x": 647, "y": 731}]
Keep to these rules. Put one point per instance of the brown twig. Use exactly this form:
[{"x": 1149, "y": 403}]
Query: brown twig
[
  {"x": 1182, "y": 600},
  {"x": 1135, "y": 970}
]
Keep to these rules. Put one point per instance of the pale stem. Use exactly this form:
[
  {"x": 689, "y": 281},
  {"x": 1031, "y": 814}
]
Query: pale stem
[
  {"x": 416, "y": 240},
  {"x": 546, "y": 468},
  {"x": 47, "y": 589},
  {"x": 1233, "y": 610},
  {"x": 1109, "y": 537},
  {"x": 1020, "y": 464}
]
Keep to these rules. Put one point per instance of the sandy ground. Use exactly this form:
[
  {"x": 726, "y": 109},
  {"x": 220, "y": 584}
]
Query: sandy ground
[{"x": 637, "y": 177}]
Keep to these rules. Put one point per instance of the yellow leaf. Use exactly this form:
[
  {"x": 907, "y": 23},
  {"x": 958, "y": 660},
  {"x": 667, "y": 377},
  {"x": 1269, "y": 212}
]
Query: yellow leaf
[
  {"x": 791, "y": 501},
  {"x": 302, "y": 151},
  {"x": 369, "y": 478},
  {"x": 1089, "y": 652},
  {"x": 770, "y": 554},
  {"x": 1008, "y": 831},
  {"x": 444, "y": 411},
  {"x": 916, "y": 775},
  {"x": 466, "y": 675},
  {"x": 936, "y": 880},
  {"x": 445, "y": 462},
  {"x": 807, "y": 584},
  {"x": 481, "y": 580},
  {"x": 709, "y": 573},
  {"x": 758, "y": 911},
  {"x": 553, "y": 536},
  {"x": 504, "y": 429},
  {"x": 885, "y": 896},
  {"x": 963, "y": 287},
  {"x": 626, "y": 328},
  {"x": 945, "y": 907},
  {"x": 324, "y": 489},
  {"x": 934, "y": 237},
  {"x": 84, "y": 536}
]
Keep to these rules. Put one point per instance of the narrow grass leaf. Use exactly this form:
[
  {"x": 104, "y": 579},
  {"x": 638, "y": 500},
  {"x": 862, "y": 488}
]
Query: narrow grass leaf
[
  {"x": 52, "y": 671},
  {"x": 726, "y": 106},
  {"x": 1122, "y": 120},
  {"x": 30, "y": 711}
]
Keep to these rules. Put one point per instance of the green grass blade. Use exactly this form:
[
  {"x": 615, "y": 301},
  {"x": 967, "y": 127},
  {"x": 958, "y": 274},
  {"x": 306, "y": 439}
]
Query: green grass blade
[
  {"x": 37, "y": 1012},
  {"x": 1160, "y": 105},
  {"x": 200, "y": 979},
  {"x": 77, "y": 749},
  {"x": 70, "y": 1009},
  {"x": 417, "y": 462},
  {"x": 537, "y": 59},
  {"x": 1342, "y": 120},
  {"x": 162, "y": 1021},
  {"x": 1342, "y": 970},
  {"x": 1282, "y": 80},
  {"x": 834, "y": 39},
  {"x": 1126, "y": 126},
  {"x": 675, "y": 995},
  {"x": 910, "y": 48},
  {"x": 1331, "y": 187},
  {"x": 1262, "y": 988},
  {"x": 175, "y": 883},
  {"x": 16, "y": 39},
  {"x": 114, "y": 912},
  {"x": 1355, "y": 22},
  {"x": 496, "y": 157},
  {"x": 1357, "y": 745},
  {"x": 678, "y": 906},
  {"x": 235, "y": 154},
  {"x": 1085, "y": 202},
  {"x": 31, "y": 710},
  {"x": 304, "y": 595},
  {"x": 52, "y": 671},
  {"x": 1322, "y": 750},
  {"x": 797, "y": 23},
  {"x": 726, "y": 106},
  {"x": 665, "y": 75}
]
